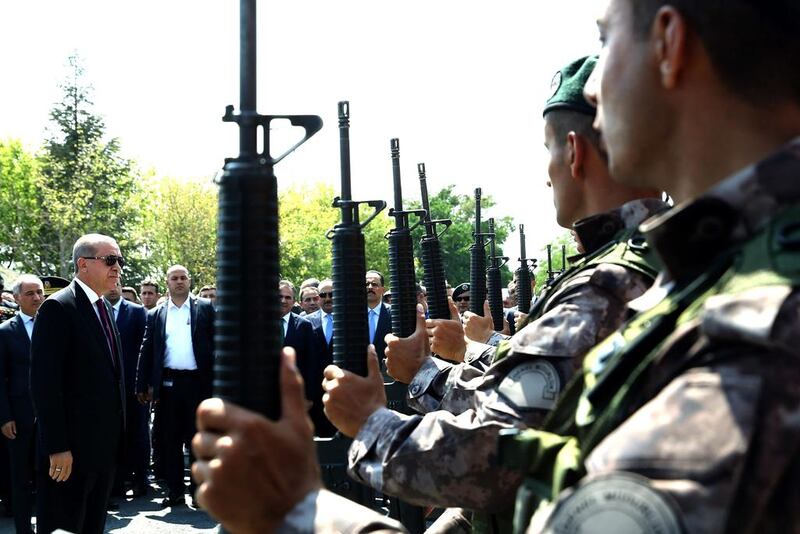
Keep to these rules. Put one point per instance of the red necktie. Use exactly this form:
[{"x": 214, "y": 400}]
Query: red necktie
[{"x": 112, "y": 341}]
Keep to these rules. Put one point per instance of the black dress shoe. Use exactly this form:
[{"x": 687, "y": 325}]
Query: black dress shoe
[
  {"x": 173, "y": 500},
  {"x": 139, "y": 490},
  {"x": 112, "y": 506}
]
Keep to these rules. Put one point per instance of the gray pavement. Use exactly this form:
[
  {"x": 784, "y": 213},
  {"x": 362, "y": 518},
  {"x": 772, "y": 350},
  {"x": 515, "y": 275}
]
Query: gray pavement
[{"x": 144, "y": 515}]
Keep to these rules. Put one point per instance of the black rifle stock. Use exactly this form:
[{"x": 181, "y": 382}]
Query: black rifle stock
[
  {"x": 477, "y": 262},
  {"x": 494, "y": 285},
  {"x": 350, "y": 326},
  {"x": 401, "y": 256},
  {"x": 432, "y": 262},
  {"x": 246, "y": 336},
  {"x": 524, "y": 291}
]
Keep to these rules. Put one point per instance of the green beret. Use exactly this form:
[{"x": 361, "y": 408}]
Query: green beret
[{"x": 567, "y": 87}]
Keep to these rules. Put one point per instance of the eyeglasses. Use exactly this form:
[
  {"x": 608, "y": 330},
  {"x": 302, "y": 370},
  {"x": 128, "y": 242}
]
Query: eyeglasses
[
  {"x": 326, "y": 295},
  {"x": 461, "y": 299},
  {"x": 110, "y": 260}
]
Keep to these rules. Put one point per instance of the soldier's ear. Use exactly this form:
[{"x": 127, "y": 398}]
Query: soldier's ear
[{"x": 576, "y": 151}]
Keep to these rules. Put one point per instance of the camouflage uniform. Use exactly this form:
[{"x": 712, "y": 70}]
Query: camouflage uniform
[
  {"x": 689, "y": 417},
  {"x": 446, "y": 459},
  {"x": 569, "y": 318}
]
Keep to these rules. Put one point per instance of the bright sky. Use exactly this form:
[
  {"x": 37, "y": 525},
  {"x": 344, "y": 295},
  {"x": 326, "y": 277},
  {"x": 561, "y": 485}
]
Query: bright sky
[{"x": 461, "y": 83}]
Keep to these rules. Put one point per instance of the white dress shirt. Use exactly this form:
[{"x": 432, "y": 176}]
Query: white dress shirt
[
  {"x": 115, "y": 307},
  {"x": 285, "y": 323},
  {"x": 327, "y": 325},
  {"x": 179, "y": 353},
  {"x": 27, "y": 321},
  {"x": 93, "y": 298}
]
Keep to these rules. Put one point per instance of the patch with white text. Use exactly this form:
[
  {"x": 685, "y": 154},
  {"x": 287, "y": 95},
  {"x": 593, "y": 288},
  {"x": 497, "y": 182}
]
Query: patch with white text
[
  {"x": 533, "y": 384},
  {"x": 622, "y": 503}
]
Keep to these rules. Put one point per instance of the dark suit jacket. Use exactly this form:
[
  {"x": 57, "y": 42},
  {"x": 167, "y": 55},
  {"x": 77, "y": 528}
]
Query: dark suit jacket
[
  {"x": 78, "y": 396},
  {"x": 383, "y": 328},
  {"x": 15, "y": 369},
  {"x": 300, "y": 336},
  {"x": 151, "y": 356},
  {"x": 131, "y": 323},
  {"x": 324, "y": 349}
]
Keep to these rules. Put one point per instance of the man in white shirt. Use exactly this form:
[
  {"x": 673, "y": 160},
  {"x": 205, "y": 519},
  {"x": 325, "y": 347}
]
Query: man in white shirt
[{"x": 176, "y": 368}]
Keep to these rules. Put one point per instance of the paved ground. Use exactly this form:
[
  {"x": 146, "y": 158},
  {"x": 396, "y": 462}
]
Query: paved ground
[{"x": 144, "y": 515}]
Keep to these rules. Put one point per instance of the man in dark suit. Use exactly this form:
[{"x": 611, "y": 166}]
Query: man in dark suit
[
  {"x": 78, "y": 390},
  {"x": 176, "y": 369},
  {"x": 298, "y": 333},
  {"x": 378, "y": 315},
  {"x": 16, "y": 409},
  {"x": 322, "y": 324},
  {"x": 130, "y": 319}
]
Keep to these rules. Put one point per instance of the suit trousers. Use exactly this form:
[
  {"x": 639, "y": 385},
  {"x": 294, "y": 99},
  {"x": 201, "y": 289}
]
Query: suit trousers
[
  {"x": 21, "y": 454},
  {"x": 181, "y": 394},
  {"x": 77, "y": 505},
  {"x": 137, "y": 443}
]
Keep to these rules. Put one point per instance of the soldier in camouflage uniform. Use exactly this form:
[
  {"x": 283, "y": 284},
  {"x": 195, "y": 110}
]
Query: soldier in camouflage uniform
[
  {"x": 447, "y": 457},
  {"x": 689, "y": 417}
]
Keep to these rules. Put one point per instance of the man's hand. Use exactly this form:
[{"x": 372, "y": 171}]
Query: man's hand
[
  {"x": 479, "y": 328},
  {"x": 349, "y": 398},
  {"x": 145, "y": 397},
  {"x": 60, "y": 466},
  {"x": 447, "y": 336},
  {"x": 251, "y": 471},
  {"x": 9, "y": 430},
  {"x": 519, "y": 318},
  {"x": 404, "y": 356}
]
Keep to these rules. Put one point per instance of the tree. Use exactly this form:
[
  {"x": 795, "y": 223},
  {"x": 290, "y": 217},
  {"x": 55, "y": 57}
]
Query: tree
[
  {"x": 455, "y": 242},
  {"x": 86, "y": 185},
  {"x": 564, "y": 240},
  {"x": 306, "y": 215},
  {"x": 179, "y": 227},
  {"x": 20, "y": 204}
]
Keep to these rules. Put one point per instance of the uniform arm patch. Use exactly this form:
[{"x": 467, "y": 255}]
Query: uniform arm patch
[{"x": 531, "y": 385}]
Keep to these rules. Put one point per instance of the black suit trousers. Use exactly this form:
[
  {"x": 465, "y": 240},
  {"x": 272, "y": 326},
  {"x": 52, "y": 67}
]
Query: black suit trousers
[
  {"x": 21, "y": 455},
  {"x": 181, "y": 394},
  {"x": 86, "y": 493}
]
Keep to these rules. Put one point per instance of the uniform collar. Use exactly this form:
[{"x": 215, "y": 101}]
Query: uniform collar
[
  {"x": 598, "y": 230},
  {"x": 690, "y": 236}
]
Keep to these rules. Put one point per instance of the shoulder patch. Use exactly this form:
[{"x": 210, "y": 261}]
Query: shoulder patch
[
  {"x": 618, "y": 502},
  {"x": 748, "y": 316},
  {"x": 531, "y": 385}
]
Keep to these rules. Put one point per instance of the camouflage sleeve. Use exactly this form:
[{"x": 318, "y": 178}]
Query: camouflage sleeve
[
  {"x": 437, "y": 377},
  {"x": 718, "y": 445},
  {"x": 323, "y": 511}
]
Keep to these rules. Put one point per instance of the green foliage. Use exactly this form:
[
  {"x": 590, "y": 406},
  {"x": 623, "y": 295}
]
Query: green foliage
[
  {"x": 20, "y": 204},
  {"x": 562, "y": 240},
  {"x": 85, "y": 186},
  {"x": 306, "y": 215},
  {"x": 179, "y": 227},
  {"x": 455, "y": 242}
]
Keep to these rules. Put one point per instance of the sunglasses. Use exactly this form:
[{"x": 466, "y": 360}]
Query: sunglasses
[
  {"x": 461, "y": 299},
  {"x": 110, "y": 260},
  {"x": 326, "y": 295}
]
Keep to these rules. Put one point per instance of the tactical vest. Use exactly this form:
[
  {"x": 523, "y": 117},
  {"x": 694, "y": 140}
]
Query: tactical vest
[
  {"x": 629, "y": 250},
  {"x": 614, "y": 382}
]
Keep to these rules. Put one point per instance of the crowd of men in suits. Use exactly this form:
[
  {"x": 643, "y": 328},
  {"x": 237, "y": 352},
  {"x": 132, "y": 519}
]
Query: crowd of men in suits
[{"x": 101, "y": 395}]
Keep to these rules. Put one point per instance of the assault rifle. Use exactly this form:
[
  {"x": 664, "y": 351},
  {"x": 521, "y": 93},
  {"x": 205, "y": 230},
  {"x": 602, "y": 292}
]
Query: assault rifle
[
  {"x": 432, "y": 263},
  {"x": 401, "y": 256},
  {"x": 524, "y": 292},
  {"x": 247, "y": 335},
  {"x": 552, "y": 274},
  {"x": 494, "y": 285},
  {"x": 350, "y": 327},
  {"x": 477, "y": 262}
]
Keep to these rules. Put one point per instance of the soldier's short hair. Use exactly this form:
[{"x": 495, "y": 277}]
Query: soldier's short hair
[
  {"x": 309, "y": 282},
  {"x": 753, "y": 46},
  {"x": 150, "y": 282},
  {"x": 86, "y": 246},
  {"x": 16, "y": 288}
]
